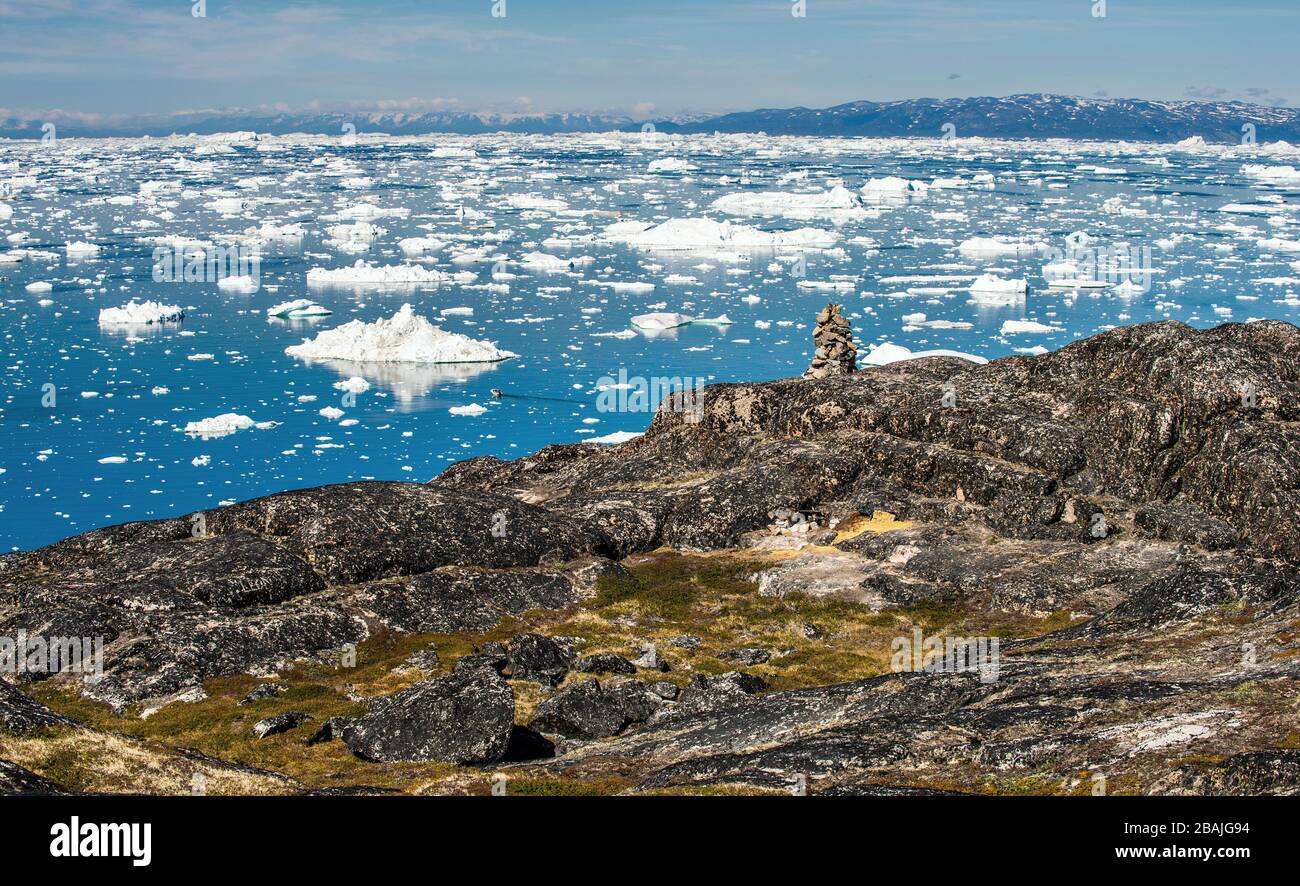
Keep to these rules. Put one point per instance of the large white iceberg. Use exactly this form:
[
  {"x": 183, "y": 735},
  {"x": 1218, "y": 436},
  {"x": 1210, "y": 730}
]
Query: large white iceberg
[
  {"x": 219, "y": 426},
  {"x": 1286, "y": 176},
  {"x": 141, "y": 313},
  {"x": 81, "y": 249},
  {"x": 991, "y": 285},
  {"x": 403, "y": 338}
]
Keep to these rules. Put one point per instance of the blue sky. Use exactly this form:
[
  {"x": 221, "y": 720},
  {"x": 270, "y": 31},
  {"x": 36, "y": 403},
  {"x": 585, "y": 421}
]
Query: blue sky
[{"x": 646, "y": 57}]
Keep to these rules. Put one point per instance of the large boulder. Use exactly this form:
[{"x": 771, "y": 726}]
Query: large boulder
[
  {"x": 465, "y": 718},
  {"x": 583, "y": 710},
  {"x": 539, "y": 659}
]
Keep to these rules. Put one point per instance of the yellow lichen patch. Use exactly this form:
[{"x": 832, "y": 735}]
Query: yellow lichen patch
[{"x": 880, "y": 521}]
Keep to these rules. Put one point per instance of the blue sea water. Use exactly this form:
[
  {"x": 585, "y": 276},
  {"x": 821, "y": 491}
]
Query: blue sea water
[{"x": 109, "y": 446}]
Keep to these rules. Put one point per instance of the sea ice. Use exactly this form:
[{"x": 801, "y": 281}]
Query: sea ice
[
  {"x": 1015, "y": 327},
  {"x": 703, "y": 234},
  {"x": 839, "y": 203},
  {"x": 368, "y": 274},
  {"x": 219, "y": 426}
]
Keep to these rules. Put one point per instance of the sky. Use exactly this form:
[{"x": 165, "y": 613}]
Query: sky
[{"x": 645, "y": 58}]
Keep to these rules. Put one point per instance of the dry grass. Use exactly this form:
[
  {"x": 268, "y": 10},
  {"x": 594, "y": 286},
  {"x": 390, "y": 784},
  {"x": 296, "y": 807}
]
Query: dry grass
[{"x": 666, "y": 594}]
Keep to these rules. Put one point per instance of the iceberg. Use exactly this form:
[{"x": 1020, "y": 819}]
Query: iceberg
[
  {"x": 241, "y": 283},
  {"x": 403, "y": 338},
  {"x": 299, "y": 307},
  {"x": 991, "y": 284},
  {"x": 1014, "y": 327},
  {"x": 886, "y": 353},
  {"x": 364, "y": 273},
  {"x": 837, "y": 203},
  {"x": 219, "y": 426},
  {"x": 891, "y": 189},
  {"x": 420, "y": 245},
  {"x": 670, "y": 164},
  {"x": 541, "y": 261},
  {"x": 1279, "y": 245},
  {"x": 633, "y": 288},
  {"x": 81, "y": 250},
  {"x": 142, "y": 313},
  {"x": 615, "y": 438},
  {"x": 991, "y": 247},
  {"x": 533, "y": 202},
  {"x": 660, "y": 321},
  {"x": 1283, "y": 176}
]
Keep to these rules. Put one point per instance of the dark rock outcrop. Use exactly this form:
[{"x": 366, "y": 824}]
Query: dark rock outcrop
[
  {"x": 279, "y": 723},
  {"x": 464, "y": 718},
  {"x": 538, "y": 658},
  {"x": 1146, "y": 479}
]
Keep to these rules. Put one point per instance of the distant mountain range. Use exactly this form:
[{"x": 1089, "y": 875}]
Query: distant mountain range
[{"x": 1016, "y": 116}]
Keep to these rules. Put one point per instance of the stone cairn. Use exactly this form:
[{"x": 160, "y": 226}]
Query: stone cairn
[{"x": 836, "y": 354}]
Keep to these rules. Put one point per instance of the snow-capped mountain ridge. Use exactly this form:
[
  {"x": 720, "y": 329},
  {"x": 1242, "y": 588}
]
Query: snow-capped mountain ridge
[{"x": 1033, "y": 115}]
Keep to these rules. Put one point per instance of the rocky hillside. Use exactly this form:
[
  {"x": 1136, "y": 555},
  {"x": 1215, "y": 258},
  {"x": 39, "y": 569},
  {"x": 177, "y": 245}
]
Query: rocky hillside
[{"x": 720, "y": 605}]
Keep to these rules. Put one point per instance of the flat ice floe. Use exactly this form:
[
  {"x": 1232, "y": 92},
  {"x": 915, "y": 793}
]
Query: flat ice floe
[
  {"x": 703, "y": 234},
  {"x": 665, "y": 320},
  {"x": 364, "y": 273},
  {"x": 1020, "y": 327},
  {"x": 615, "y": 438},
  {"x": 403, "y": 338},
  {"x": 1283, "y": 176},
  {"x": 628, "y": 288},
  {"x": 140, "y": 313},
  {"x": 886, "y": 353},
  {"x": 541, "y": 261},
  {"x": 670, "y": 164},
  {"x": 991, "y": 247},
  {"x": 839, "y": 203}
]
